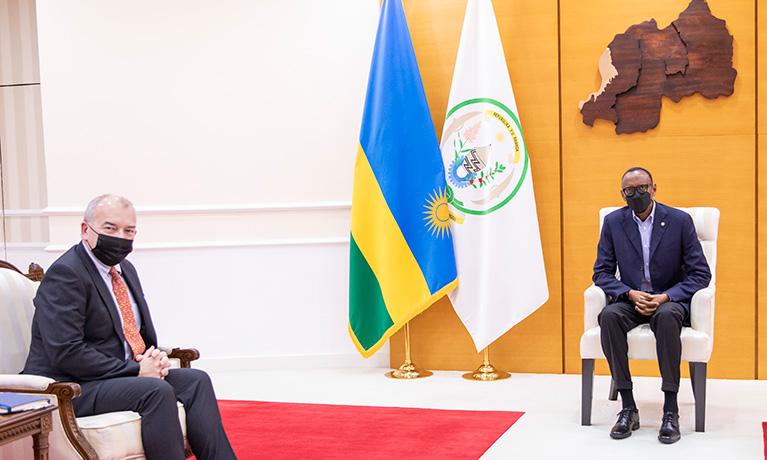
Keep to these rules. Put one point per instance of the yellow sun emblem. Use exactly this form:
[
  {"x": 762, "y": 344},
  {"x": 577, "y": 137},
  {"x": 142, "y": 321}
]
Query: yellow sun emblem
[{"x": 437, "y": 214}]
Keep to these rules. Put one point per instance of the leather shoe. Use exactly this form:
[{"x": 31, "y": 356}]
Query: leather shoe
[
  {"x": 628, "y": 421},
  {"x": 669, "y": 428}
]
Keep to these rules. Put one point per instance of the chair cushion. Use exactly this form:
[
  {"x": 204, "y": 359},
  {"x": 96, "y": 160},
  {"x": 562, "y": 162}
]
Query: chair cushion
[
  {"x": 696, "y": 345},
  {"x": 16, "y": 294},
  {"x": 117, "y": 435}
]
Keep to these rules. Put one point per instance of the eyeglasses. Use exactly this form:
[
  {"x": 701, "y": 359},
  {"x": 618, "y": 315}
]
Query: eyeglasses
[{"x": 628, "y": 191}]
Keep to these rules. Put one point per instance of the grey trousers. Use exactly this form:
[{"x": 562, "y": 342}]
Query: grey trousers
[{"x": 155, "y": 400}]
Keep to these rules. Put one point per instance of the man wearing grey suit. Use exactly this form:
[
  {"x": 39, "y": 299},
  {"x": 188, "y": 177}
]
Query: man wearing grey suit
[{"x": 92, "y": 326}]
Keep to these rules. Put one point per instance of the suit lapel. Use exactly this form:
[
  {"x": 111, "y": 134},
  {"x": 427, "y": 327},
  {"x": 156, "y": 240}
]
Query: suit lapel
[
  {"x": 658, "y": 227},
  {"x": 632, "y": 232},
  {"x": 101, "y": 288}
]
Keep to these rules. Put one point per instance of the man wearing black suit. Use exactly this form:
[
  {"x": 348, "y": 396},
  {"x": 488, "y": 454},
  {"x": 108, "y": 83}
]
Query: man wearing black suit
[
  {"x": 661, "y": 265},
  {"x": 92, "y": 326}
]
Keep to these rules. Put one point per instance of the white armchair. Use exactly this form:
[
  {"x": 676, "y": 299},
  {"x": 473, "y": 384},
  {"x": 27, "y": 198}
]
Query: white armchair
[
  {"x": 697, "y": 340},
  {"x": 115, "y": 435}
]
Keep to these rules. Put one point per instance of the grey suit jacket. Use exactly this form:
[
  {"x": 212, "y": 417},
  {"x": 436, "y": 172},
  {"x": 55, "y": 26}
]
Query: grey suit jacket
[{"x": 76, "y": 330}]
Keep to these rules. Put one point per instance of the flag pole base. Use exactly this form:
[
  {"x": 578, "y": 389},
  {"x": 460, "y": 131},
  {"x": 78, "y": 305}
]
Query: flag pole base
[
  {"x": 408, "y": 371},
  {"x": 486, "y": 373}
]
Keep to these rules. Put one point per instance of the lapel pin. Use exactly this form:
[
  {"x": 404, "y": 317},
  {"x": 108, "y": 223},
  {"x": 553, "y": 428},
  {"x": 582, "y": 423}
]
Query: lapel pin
[{"x": 662, "y": 224}]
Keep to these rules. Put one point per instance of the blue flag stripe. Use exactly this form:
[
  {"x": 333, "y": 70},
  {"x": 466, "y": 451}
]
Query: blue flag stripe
[{"x": 401, "y": 145}]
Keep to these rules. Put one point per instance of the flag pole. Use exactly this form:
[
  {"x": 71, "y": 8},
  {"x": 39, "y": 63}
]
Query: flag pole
[
  {"x": 487, "y": 372},
  {"x": 408, "y": 370}
]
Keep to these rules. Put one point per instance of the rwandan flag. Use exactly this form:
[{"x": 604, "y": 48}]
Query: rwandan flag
[{"x": 401, "y": 257}]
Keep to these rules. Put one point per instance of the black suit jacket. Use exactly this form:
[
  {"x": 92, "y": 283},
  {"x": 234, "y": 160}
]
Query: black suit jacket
[
  {"x": 76, "y": 330},
  {"x": 678, "y": 266}
]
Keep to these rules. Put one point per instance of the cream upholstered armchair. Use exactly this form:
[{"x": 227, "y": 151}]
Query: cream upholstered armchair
[
  {"x": 115, "y": 435},
  {"x": 697, "y": 341}
]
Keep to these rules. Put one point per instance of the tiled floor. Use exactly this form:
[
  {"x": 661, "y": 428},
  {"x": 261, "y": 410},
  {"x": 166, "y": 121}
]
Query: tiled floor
[{"x": 550, "y": 428}]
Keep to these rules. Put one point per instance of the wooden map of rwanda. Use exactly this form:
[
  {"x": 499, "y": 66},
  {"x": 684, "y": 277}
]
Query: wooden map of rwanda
[{"x": 645, "y": 63}]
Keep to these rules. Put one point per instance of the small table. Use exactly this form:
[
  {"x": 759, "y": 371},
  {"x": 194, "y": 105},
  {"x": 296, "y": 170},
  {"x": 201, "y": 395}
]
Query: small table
[{"x": 36, "y": 423}]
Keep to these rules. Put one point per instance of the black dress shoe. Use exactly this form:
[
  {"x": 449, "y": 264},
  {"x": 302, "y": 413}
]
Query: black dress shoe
[
  {"x": 628, "y": 421},
  {"x": 669, "y": 428}
]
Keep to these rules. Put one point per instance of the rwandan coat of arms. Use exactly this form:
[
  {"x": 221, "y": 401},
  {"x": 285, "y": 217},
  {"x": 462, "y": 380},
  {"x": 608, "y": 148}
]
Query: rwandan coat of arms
[{"x": 485, "y": 157}]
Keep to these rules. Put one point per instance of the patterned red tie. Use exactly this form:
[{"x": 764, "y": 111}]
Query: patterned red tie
[{"x": 129, "y": 322}]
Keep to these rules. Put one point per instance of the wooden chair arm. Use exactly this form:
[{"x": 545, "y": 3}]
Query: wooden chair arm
[
  {"x": 65, "y": 392},
  {"x": 184, "y": 355},
  {"x": 35, "y": 271}
]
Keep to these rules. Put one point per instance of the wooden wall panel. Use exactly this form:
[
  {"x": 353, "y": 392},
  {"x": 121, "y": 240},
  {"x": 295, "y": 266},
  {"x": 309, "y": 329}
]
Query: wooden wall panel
[
  {"x": 761, "y": 314},
  {"x": 529, "y": 34},
  {"x": 701, "y": 154},
  {"x": 761, "y": 345}
]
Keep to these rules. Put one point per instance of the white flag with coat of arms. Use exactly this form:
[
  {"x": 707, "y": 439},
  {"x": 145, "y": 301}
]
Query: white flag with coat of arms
[{"x": 501, "y": 275}]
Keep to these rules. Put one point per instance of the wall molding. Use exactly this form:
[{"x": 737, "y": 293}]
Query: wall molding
[
  {"x": 61, "y": 211},
  {"x": 196, "y": 209},
  {"x": 24, "y": 213},
  {"x": 40, "y": 245},
  {"x": 47, "y": 247},
  {"x": 219, "y": 244}
]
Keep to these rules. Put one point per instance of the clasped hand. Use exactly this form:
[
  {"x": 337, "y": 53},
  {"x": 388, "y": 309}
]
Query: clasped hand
[
  {"x": 154, "y": 363},
  {"x": 646, "y": 303}
]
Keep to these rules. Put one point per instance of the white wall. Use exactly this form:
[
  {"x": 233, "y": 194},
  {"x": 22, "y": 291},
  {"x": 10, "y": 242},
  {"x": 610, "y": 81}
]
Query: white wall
[
  {"x": 205, "y": 101},
  {"x": 232, "y": 126}
]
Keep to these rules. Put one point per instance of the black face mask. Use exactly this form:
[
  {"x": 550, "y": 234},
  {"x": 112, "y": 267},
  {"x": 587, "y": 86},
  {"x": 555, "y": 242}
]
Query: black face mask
[
  {"x": 111, "y": 250},
  {"x": 639, "y": 201}
]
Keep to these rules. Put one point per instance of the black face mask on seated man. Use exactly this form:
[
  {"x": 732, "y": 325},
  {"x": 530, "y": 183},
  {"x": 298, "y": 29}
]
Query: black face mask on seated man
[
  {"x": 639, "y": 201},
  {"x": 111, "y": 250}
]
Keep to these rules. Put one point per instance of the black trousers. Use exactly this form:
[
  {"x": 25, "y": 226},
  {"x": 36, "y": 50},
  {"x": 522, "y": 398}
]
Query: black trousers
[
  {"x": 155, "y": 400},
  {"x": 618, "y": 318}
]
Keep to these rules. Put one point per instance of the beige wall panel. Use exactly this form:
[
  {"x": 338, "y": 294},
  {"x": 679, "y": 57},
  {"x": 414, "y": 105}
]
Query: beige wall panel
[
  {"x": 23, "y": 162},
  {"x": 23, "y": 232},
  {"x": 701, "y": 154},
  {"x": 19, "y": 62},
  {"x": 529, "y": 33}
]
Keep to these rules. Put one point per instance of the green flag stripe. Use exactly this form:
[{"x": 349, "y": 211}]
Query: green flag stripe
[{"x": 368, "y": 317}]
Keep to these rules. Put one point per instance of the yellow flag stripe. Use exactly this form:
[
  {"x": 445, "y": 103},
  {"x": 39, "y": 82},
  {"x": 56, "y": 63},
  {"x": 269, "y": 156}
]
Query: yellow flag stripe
[{"x": 380, "y": 241}]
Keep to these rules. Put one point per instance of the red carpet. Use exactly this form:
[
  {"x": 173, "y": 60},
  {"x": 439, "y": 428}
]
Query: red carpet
[{"x": 269, "y": 430}]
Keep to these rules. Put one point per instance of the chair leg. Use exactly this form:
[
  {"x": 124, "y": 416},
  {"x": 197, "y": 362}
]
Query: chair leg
[
  {"x": 587, "y": 390},
  {"x": 613, "y": 396},
  {"x": 692, "y": 377},
  {"x": 698, "y": 377}
]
